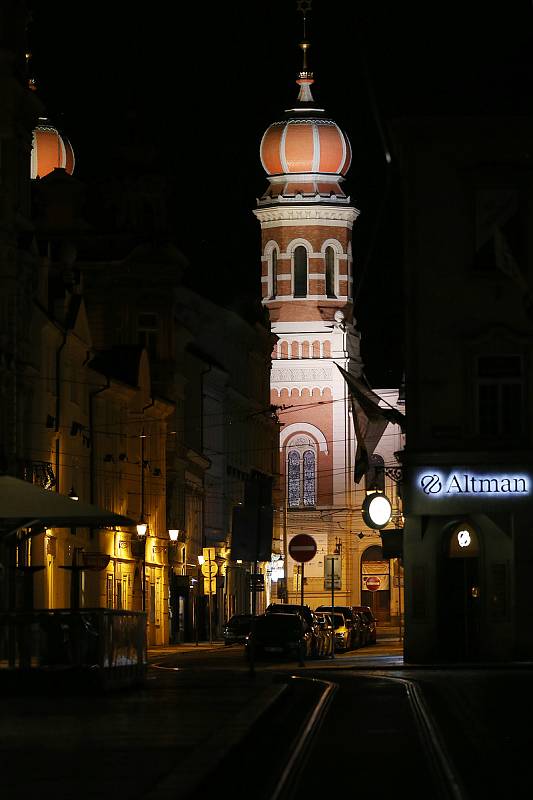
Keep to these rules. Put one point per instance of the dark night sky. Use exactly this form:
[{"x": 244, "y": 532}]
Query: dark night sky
[{"x": 194, "y": 86}]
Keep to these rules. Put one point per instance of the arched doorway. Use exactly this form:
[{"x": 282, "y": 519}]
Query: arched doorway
[
  {"x": 375, "y": 582},
  {"x": 459, "y": 595}
]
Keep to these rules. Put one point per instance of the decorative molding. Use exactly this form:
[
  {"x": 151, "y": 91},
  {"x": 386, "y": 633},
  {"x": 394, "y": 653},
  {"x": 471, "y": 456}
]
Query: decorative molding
[
  {"x": 301, "y": 375},
  {"x": 306, "y": 214},
  {"x": 303, "y": 427}
]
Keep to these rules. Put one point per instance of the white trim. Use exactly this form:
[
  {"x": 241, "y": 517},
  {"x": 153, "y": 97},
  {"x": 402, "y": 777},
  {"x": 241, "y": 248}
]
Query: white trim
[
  {"x": 316, "y": 148},
  {"x": 292, "y": 299},
  {"x": 303, "y": 427},
  {"x": 301, "y": 223},
  {"x": 294, "y": 243},
  {"x": 307, "y": 215},
  {"x": 282, "y": 158}
]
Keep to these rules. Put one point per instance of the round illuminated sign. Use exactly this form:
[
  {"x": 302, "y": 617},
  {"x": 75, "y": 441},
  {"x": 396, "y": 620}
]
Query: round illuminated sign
[
  {"x": 463, "y": 538},
  {"x": 376, "y": 510}
]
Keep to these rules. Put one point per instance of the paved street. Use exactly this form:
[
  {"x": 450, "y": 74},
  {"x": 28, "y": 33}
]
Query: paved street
[{"x": 200, "y": 702}]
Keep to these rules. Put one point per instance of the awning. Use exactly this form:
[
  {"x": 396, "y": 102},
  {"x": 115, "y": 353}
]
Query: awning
[{"x": 24, "y": 504}]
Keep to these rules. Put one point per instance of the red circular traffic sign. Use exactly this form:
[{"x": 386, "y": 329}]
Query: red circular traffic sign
[
  {"x": 372, "y": 583},
  {"x": 302, "y": 547}
]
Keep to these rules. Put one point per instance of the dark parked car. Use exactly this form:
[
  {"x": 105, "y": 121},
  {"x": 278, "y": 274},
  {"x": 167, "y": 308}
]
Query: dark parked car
[
  {"x": 237, "y": 629},
  {"x": 359, "y": 631},
  {"x": 370, "y": 622},
  {"x": 279, "y": 635},
  {"x": 326, "y": 633},
  {"x": 308, "y": 617}
]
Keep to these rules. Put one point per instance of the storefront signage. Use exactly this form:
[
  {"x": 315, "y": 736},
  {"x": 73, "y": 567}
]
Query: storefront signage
[
  {"x": 435, "y": 484},
  {"x": 435, "y": 490}
]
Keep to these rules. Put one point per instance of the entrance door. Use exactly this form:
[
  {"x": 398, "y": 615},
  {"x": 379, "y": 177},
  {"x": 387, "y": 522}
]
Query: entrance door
[
  {"x": 459, "y": 602},
  {"x": 375, "y": 583}
]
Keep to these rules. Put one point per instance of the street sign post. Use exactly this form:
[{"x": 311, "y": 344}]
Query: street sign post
[{"x": 302, "y": 548}]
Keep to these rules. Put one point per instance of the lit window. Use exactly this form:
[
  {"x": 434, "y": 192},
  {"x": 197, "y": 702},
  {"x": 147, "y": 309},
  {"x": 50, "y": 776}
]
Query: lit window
[
  {"x": 300, "y": 272},
  {"x": 301, "y": 473}
]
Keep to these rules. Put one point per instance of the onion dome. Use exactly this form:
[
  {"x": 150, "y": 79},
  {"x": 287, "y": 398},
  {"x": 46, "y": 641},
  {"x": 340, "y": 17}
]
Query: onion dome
[
  {"x": 306, "y": 154},
  {"x": 50, "y": 149}
]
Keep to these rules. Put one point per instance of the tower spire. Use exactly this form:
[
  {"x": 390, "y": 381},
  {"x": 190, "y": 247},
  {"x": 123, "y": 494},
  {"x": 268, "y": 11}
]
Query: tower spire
[{"x": 305, "y": 77}]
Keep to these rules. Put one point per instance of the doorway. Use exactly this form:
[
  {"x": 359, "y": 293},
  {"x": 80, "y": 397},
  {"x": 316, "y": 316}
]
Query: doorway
[
  {"x": 459, "y": 595},
  {"x": 375, "y": 583}
]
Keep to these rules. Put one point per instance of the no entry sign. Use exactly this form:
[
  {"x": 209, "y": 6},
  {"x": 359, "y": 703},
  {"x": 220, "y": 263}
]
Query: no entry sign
[
  {"x": 302, "y": 548},
  {"x": 372, "y": 583}
]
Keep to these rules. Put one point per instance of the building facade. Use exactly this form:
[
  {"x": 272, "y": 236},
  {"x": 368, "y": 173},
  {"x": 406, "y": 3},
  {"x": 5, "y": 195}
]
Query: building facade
[
  {"x": 469, "y": 323},
  {"x": 307, "y": 274}
]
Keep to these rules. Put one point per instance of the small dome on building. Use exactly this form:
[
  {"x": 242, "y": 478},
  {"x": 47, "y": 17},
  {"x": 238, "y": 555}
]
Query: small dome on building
[
  {"x": 50, "y": 149},
  {"x": 305, "y": 155},
  {"x": 307, "y": 144}
]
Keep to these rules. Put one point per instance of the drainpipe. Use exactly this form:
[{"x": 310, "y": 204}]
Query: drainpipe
[
  {"x": 58, "y": 403},
  {"x": 92, "y": 470}
]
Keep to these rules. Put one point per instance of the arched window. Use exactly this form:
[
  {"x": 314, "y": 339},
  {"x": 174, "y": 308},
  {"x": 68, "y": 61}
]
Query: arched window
[
  {"x": 301, "y": 473},
  {"x": 300, "y": 271},
  {"x": 274, "y": 268},
  {"x": 330, "y": 272}
]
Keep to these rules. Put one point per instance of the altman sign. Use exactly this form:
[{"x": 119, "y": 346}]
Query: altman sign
[
  {"x": 436, "y": 484},
  {"x": 463, "y": 489}
]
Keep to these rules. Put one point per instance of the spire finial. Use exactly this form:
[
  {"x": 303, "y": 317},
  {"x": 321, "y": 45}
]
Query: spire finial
[{"x": 305, "y": 78}]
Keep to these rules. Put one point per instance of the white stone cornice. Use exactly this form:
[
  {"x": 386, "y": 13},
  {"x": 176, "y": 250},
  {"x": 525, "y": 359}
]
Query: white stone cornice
[{"x": 307, "y": 215}]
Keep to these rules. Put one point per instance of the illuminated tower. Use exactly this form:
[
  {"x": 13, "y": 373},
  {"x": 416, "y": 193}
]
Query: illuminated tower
[{"x": 306, "y": 223}]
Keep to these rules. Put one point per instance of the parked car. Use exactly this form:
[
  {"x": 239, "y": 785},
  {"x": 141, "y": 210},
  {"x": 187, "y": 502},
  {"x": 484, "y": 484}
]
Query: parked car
[
  {"x": 370, "y": 622},
  {"x": 343, "y": 632},
  {"x": 291, "y": 608},
  {"x": 308, "y": 617},
  {"x": 279, "y": 635},
  {"x": 350, "y": 620},
  {"x": 327, "y": 632},
  {"x": 359, "y": 630},
  {"x": 237, "y": 629}
]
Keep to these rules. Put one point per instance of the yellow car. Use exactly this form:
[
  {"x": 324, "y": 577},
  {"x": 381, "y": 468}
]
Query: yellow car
[{"x": 343, "y": 634}]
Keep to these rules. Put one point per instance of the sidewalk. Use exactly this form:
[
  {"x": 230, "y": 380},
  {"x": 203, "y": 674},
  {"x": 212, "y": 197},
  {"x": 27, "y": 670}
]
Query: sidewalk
[{"x": 155, "y": 743}]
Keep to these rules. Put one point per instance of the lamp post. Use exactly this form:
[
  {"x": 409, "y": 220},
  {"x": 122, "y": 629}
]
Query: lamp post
[
  {"x": 201, "y": 560},
  {"x": 142, "y": 527},
  {"x": 173, "y": 535}
]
